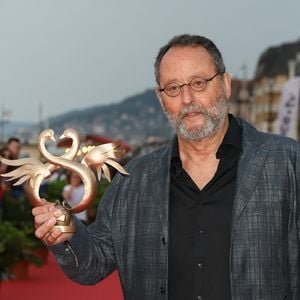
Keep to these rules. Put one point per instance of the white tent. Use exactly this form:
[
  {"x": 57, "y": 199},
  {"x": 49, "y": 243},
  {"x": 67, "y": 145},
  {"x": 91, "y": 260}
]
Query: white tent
[{"x": 288, "y": 115}]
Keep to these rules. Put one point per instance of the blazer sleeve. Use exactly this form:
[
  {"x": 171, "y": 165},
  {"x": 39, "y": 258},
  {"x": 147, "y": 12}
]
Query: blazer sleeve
[
  {"x": 297, "y": 204},
  {"x": 89, "y": 255}
]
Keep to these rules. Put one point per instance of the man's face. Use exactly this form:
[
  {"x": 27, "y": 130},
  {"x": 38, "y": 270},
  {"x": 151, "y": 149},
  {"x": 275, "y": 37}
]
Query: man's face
[
  {"x": 15, "y": 148},
  {"x": 195, "y": 115}
]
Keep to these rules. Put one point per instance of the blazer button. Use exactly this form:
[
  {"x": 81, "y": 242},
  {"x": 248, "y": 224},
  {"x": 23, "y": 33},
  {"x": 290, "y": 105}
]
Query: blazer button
[
  {"x": 162, "y": 290},
  {"x": 163, "y": 240}
]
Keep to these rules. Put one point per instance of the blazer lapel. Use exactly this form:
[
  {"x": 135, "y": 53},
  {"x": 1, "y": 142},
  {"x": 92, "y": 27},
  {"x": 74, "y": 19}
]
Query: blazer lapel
[
  {"x": 161, "y": 186},
  {"x": 250, "y": 168}
]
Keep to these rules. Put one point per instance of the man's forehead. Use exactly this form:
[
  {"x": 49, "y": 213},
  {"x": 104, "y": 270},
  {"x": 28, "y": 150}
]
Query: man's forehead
[
  {"x": 184, "y": 49},
  {"x": 192, "y": 57}
]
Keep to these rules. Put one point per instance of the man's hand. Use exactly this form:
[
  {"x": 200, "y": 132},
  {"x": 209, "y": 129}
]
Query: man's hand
[{"x": 44, "y": 220}]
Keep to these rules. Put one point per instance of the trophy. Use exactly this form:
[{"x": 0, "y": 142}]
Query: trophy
[{"x": 32, "y": 172}]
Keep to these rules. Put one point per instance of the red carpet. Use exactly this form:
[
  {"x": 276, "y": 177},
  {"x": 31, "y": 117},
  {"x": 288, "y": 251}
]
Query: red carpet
[{"x": 49, "y": 282}]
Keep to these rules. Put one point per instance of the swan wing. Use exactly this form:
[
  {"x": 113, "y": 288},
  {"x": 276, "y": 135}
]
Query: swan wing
[
  {"x": 108, "y": 146},
  {"x": 19, "y": 162},
  {"x": 117, "y": 166},
  {"x": 99, "y": 173},
  {"x": 113, "y": 150},
  {"x": 106, "y": 172},
  {"x": 21, "y": 180},
  {"x": 101, "y": 153},
  {"x": 27, "y": 171},
  {"x": 21, "y": 171}
]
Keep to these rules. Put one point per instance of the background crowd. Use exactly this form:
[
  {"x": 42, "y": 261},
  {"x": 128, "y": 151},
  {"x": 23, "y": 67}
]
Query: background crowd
[{"x": 17, "y": 240}]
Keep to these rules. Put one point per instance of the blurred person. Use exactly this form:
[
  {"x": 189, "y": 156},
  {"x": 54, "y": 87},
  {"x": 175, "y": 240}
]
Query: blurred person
[
  {"x": 73, "y": 193},
  {"x": 214, "y": 215},
  {"x": 4, "y": 186},
  {"x": 14, "y": 145},
  {"x": 5, "y": 153}
]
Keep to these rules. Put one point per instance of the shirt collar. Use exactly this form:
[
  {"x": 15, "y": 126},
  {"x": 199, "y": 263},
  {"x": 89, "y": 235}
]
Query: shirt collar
[{"x": 232, "y": 139}]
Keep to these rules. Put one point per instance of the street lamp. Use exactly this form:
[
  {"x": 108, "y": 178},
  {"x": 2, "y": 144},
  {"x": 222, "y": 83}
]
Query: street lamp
[{"x": 4, "y": 118}]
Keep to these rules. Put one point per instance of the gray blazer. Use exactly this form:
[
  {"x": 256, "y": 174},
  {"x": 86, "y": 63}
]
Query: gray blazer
[{"x": 131, "y": 229}]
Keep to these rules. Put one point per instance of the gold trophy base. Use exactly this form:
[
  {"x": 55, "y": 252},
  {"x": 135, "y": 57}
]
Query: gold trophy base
[
  {"x": 65, "y": 222},
  {"x": 66, "y": 229}
]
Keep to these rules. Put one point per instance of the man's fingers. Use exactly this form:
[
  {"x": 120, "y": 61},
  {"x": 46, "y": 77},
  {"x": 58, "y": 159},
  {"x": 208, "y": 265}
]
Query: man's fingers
[
  {"x": 43, "y": 209},
  {"x": 45, "y": 218},
  {"x": 46, "y": 227},
  {"x": 41, "y": 218},
  {"x": 53, "y": 236}
]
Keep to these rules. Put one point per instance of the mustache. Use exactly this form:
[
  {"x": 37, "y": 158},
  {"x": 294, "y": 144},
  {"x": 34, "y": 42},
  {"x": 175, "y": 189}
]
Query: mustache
[{"x": 192, "y": 108}]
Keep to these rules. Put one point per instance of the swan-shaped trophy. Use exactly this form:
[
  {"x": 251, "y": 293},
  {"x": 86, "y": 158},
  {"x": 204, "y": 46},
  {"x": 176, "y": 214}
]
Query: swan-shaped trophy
[{"x": 33, "y": 172}]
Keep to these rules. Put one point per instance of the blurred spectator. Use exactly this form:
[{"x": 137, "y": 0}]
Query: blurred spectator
[
  {"x": 73, "y": 193},
  {"x": 4, "y": 187},
  {"x": 14, "y": 145},
  {"x": 5, "y": 153}
]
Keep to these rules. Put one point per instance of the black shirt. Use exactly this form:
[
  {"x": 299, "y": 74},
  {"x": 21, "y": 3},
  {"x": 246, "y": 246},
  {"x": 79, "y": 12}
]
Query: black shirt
[{"x": 200, "y": 223}]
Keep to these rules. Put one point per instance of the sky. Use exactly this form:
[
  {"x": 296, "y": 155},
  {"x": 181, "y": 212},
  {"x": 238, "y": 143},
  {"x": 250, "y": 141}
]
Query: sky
[{"x": 61, "y": 55}]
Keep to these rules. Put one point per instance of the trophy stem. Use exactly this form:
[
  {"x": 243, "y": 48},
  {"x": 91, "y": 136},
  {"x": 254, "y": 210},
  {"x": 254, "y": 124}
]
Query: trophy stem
[{"x": 65, "y": 222}]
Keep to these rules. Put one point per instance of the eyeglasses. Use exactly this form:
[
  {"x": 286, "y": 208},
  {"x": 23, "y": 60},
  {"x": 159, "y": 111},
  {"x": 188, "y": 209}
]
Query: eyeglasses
[{"x": 197, "y": 84}]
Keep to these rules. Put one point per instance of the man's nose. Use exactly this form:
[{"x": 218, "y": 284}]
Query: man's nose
[{"x": 187, "y": 94}]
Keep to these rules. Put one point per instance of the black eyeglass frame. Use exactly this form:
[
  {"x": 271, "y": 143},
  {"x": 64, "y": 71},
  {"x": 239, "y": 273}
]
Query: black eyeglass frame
[{"x": 189, "y": 84}]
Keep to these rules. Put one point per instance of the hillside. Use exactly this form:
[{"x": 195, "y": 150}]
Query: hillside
[{"x": 134, "y": 119}]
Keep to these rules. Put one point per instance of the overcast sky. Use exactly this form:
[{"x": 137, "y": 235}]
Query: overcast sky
[{"x": 73, "y": 54}]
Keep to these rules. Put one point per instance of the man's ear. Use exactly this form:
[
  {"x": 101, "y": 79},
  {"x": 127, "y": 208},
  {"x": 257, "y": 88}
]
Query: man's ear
[{"x": 227, "y": 84}]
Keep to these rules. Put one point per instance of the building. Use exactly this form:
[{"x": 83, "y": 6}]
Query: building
[
  {"x": 241, "y": 100},
  {"x": 275, "y": 67}
]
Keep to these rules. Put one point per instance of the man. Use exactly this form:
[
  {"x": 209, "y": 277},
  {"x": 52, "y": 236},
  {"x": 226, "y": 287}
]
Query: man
[
  {"x": 14, "y": 145},
  {"x": 214, "y": 215},
  {"x": 4, "y": 187}
]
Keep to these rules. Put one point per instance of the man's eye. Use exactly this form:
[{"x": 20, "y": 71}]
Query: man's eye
[
  {"x": 173, "y": 88},
  {"x": 198, "y": 83}
]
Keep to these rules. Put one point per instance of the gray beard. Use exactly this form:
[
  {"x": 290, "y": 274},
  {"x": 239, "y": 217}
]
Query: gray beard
[{"x": 214, "y": 118}]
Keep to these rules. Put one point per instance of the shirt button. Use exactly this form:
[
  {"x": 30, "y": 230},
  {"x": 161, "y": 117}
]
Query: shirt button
[
  {"x": 201, "y": 231},
  {"x": 200, "y": 265}
]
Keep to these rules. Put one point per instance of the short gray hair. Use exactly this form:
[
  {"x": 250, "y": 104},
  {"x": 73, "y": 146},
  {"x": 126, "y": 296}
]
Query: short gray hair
[{"x": 193, "y": 41}]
